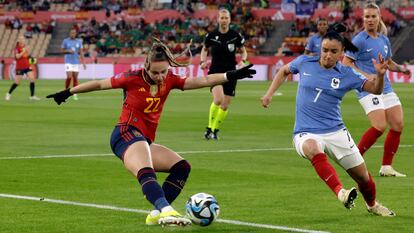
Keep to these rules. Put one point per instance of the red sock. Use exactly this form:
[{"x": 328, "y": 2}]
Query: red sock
[
  {"x": 368, "y": 139},
  {"x": 75, "y": 82},
  {"x": 368, "y": 191},
  {"x": 391, "y": 144},
  {"x": 67, "y": 83},
  {"x": 326, "y": 172}
]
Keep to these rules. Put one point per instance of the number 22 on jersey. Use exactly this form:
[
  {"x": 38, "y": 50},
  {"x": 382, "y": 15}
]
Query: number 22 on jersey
[{"x": 153, "y": 104}]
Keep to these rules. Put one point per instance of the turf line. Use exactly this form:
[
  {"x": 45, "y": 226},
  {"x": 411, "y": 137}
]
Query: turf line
[
  {"x": 108, "y": 207},
  {"x": 180, "y": 152}
]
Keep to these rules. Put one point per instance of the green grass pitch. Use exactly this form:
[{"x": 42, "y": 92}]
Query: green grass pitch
[{"x": 263, "y": 181}]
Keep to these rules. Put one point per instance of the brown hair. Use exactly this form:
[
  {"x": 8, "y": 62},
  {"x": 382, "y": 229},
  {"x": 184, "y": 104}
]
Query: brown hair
[
  {"x": 382, "y": 28},
  {"x": 160, "y": 52}
]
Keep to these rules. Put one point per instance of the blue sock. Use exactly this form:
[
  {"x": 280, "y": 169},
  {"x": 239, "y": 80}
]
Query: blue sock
[
  {"x": 175, "y": 182},
  {"x": 151, "y": 189}
]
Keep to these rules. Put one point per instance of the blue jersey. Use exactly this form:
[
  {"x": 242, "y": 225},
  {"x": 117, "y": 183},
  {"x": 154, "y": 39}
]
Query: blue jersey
[
  {"x": 368, "y": 49},
  {"x": 74, "y": 45},
  {"x": 314, "y": 44},
  {"x": 320, "y": 93}
]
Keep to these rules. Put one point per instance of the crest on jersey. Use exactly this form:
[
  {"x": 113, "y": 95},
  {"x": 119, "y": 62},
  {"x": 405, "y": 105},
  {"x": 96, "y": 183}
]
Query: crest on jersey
[
  {"x": 217, "y": 37},
  {"x": 231, "y": 47},
  {"x": 335, "y": 83},
  {"x": 154, "y": 90},
  {"x": 386, "y": 49}
]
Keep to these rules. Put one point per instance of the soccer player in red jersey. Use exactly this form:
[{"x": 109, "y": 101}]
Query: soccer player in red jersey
[
  {"x": 23, "y": 67},
  {"x": 145, "y": 92}
]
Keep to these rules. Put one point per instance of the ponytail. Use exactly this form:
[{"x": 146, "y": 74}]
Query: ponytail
[
  {"x": 334, "y": 34},
  {"x": 160, "y": 52}
]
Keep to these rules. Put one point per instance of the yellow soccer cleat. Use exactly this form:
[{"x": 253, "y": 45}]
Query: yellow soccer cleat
[
  {"x": 152, "y": 218},
  {"x": 173, "y": 218}
]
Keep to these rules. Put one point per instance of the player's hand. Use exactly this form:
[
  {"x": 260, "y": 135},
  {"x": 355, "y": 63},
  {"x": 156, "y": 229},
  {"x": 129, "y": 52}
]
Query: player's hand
[
  {"x": 203, "y": 65},
  {"x": 61, "y": 96},
  {"x": 406, "y": 71},
  {"x": 382, "y": 66},
  {"x": 245, "y": 72},
  {"x": 266, "y": 100}
]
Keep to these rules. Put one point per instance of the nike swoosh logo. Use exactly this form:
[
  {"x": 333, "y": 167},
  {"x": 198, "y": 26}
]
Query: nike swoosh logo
[
  {"x": 304, "y": 73},
  {"x": 352, "y": 146},
  {"x": 369, "y": 50},
  {"x": 329, "y": 177}
]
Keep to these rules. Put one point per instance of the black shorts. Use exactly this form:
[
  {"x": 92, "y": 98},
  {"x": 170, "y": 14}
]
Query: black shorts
[
  {"x": 229, "y": 87},
  {"x": 23, "y": 72}
]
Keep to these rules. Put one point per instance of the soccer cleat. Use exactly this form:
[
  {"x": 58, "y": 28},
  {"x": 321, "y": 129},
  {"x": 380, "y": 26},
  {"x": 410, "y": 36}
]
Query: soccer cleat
[
  {"x": 207, "y": 134},
  {"x": 75, "y": 97},
  {"x": 7, "y": 97},
  {"x": 380, "y": 210},
  {"x": 347, "y": 197},
  {"x": 173, "y": 218},
  {"x": 34, "y": 98},
  {"x": 214, "y": 135},
  {"x": 152, "y": 218},
  {"x": 387, "y": 170}
]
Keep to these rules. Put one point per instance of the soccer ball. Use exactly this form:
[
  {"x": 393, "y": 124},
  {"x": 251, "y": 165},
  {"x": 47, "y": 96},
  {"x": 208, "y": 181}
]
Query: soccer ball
[{"x": 202, "y": 209}]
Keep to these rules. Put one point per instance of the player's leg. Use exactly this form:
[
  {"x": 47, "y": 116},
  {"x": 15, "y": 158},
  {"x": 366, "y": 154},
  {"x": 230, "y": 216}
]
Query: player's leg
[
  {"x": 166, "y": 160},
  {"x": 311, "y": 146},
  {"x": 229, "y": 91},
  {"x": 130, "y": 146},
  {"x": 32, "y": 80},
  {"x": 15, "y": 84},
  {"x": 365, "y": 183},
  {"x": 68, "y": 79},
  {"x": 394, "y": 116},
  {"x": 218, "y": 97},
  {"x": 373, "y": 106},
  {"x": 75, "y": 82}
]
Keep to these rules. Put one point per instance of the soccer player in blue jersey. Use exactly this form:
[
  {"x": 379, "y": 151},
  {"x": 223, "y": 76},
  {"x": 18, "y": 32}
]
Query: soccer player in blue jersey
[
  {"x": 318, "y": 125},
  {"x": 313, "y": 46},
  {"x": 383, "y": 109},
  {"x": 72, "y": 48}
]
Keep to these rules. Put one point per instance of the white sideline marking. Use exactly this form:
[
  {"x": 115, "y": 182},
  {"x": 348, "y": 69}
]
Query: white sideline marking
[
  {"x": 179, "y": 152},
  {"x": 108, "y": 207}
]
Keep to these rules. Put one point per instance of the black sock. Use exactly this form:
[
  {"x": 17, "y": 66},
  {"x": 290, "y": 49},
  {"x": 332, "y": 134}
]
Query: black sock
[
  {"x": 151, "y": 189},
  {"x": 175, "y": 182},
  {"x": 32, "y": 89},
  {"x": 12, "y": 88}
]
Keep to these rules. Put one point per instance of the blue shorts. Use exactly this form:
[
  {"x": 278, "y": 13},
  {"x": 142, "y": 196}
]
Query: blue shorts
[
  {"x": 123, "y": 136},
  {"x": 23, "y": 72}
]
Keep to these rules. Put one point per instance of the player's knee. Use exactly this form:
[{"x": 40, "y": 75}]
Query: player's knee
[
  {"x": 181, "y": 168},
  {"x": 311, "y": 148},
  {"x": 397, "y": 125},
  {"x": 380, "y": 126}
]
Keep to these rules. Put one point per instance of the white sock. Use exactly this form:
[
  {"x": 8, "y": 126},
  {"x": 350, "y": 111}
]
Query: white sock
[
  {"x": 154, "y": 213},
  {"x": 167, "y": 209}
]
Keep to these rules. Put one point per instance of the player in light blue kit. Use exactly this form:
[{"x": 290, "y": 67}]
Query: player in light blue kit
[
  {"x": 313, "y": 46},
  {"x": 319, "y": 127},
  {"x": 72, "y": 48},
  {"x": 383, "y": 109}
]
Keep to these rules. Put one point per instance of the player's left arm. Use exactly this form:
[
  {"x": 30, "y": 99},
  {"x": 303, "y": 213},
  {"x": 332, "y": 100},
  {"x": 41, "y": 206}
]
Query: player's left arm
[
  {"x": 243, "y": 55},
  {"x": 219, "y": 78},
  {"x": 393, "y": 66}
]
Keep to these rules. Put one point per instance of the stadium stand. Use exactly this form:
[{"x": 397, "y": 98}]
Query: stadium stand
[{"x": 124, "y": 28}]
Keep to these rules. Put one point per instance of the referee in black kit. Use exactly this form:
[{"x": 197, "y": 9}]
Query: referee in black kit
[{"x": 223, "y": 43}]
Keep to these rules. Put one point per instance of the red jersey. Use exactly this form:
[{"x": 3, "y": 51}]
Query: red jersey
[
  {"x": 143, "y": 102},
  {"x": 23, "y": 62}
]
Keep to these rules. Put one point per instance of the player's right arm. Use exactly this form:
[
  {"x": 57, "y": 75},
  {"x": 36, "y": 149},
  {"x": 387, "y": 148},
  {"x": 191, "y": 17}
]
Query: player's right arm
[
  {"x": 90, "y": 86},
  {"x": 278, "y": 80}
]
